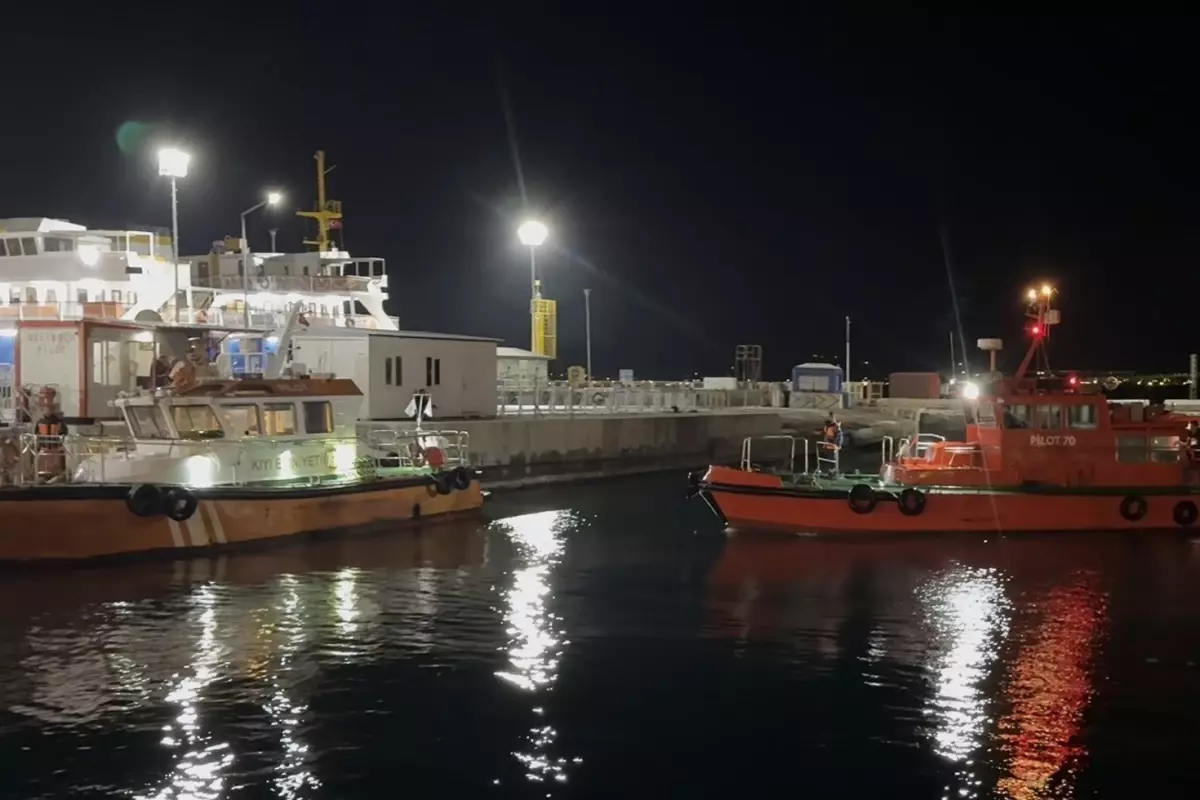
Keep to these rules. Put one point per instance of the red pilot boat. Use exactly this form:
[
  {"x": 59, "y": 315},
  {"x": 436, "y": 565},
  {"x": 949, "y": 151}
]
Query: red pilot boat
[{"x": 1040, "y": 455}]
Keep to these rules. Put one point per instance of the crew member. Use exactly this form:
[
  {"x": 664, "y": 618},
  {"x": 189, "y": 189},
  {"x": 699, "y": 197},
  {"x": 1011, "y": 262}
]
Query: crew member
[
  {"x": 1191, "y": 440},
  {"x": 831, "y": 438},
  {"x": 50, "y": 430}
]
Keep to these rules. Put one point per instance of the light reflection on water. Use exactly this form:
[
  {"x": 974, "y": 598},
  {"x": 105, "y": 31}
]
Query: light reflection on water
[
  {"x": 200, "y": 761},
  {"x": 442, "y": 660},
  {"x": 969, "y": 614},
  {"x": 536, "y": 640}
]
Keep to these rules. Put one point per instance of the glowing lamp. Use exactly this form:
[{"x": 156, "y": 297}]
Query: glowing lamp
[
  {"x": 173, "y": 163},
  {"x": 532, "y": 233},
  {"x": 1036, "y": 330},
  {"x": 970, "y": 391}
]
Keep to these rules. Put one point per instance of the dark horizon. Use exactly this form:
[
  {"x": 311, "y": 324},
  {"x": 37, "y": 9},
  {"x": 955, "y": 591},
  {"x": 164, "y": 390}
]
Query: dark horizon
[{"x": 714, "y": 182}]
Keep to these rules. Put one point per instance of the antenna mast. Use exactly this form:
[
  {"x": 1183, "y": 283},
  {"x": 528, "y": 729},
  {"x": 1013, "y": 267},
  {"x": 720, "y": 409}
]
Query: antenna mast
[
  {"x": 1041, "y": 317},
  {"x": 328, "y": 213}
]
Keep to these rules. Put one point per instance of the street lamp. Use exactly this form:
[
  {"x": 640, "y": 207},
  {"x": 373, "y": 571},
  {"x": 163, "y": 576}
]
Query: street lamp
[
  {"x": 173, "y": 163},
  {"x": 272, "y": 199},
  {"x": 533, "y": 234}
]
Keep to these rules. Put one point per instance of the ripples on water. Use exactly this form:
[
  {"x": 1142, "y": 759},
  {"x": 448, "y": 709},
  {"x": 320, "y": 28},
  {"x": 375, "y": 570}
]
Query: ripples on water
[{"x": 608, "y": 640}]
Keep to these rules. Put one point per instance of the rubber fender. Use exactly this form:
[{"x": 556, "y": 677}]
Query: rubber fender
[
  {"x": 862, "y": 499},
  {"x": 444, "y": 481},
  {"x": 461, "y": 478},
  {"x": 1133, "y": 508},
  {"x": 1185, "y": 513},
  {"x": 911, "y": 502},
  {"x": 180, "y": 504},
  {"x": 144, "y": 500}
]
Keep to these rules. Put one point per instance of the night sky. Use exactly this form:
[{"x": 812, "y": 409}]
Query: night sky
[{"x": 715, "y": 180}]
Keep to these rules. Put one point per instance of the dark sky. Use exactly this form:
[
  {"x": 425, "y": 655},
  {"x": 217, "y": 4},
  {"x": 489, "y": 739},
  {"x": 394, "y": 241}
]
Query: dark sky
[{"x": 715, "y": 180}]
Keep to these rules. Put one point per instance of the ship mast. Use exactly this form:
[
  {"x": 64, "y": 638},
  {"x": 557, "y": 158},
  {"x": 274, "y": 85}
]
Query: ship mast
[
  {"x": 1041, "y": 317},
  {"x": 328, "y": 213}
]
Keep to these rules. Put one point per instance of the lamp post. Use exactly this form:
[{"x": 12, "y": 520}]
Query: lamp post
[
  {"x": 533, "y": 234},
  {"x": 272, "y": 199},
  {"x": 587, "y": 322},
  {"x": 173, "y": 163}
]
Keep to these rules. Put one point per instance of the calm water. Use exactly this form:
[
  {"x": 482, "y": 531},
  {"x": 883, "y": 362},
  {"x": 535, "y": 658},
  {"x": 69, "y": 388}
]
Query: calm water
[{"x": 603, "y": 641}]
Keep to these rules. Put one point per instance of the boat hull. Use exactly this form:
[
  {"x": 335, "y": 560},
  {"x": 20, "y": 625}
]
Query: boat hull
[
  {"x": 79, "y": 522},
  {"x": 755, "y": 500}
]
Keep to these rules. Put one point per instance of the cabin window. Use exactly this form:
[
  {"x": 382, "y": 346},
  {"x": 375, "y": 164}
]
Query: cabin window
[
  {"x": 241, "y": 268},
  {"x": 1049, "y": 417},
  {"x": 30, "y": 245},
  {"x": 1083, "y": 417},
  {"x": 106, "y": 368},
  {"x": 985, "y": 415},
  {"x": 399, "y": 370},
  {"x": 14, "y": 296},
  {"x": 1164, "y": 449},
  {"x": 280, "y": 419},
  {"x": 1017, "y": 416},
  {"x": 387, "y": 371},
  {"x": 131, "y": 298},
  {"x": 14, "y": 247},
  {"x": 81, "y": 295},
  {"x": 241, "y": 419},
  {"x": 196, "y": 422},
  {"x": 433, "y": 371},
  {"x": 3, "y": 248},
  {"x": 116, "y": 295},
  {"x": 149, "y": 422},
  {"x": 51, "y": 296},
  {"x": 30, "y": 295},
  {"x": 318, "y": 416},
  {"x": 1131, "y": 449}
]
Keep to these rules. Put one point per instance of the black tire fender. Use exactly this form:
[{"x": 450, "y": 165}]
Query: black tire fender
[
  {"x": 911, "y": 502},
  {"x": 862, "y": 499},
  {"x": 461, "y": 478},
  {"x": 444, "y": 482},
  {"x": 144, "y": 500},
  {"x": 180, "y": 504},
  {"x": 1185, "y": 513},
  {"x": 1133, "y": 508}
]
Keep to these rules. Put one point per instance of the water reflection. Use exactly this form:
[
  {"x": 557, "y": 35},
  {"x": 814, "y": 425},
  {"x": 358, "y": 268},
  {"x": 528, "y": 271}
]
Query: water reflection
[
  {"x": 969, "y": 614},
  {"x": 287, "y": 712},
  {"x": 200, "y": 761},
  {"x": 1048, "y": 688},
  {"x": 535, "y": 637}
]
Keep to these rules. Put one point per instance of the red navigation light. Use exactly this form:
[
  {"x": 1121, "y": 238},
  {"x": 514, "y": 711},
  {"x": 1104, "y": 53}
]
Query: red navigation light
[
  {"x": 1072, "y": 381},
  {"x": 1036, "y": 330}
]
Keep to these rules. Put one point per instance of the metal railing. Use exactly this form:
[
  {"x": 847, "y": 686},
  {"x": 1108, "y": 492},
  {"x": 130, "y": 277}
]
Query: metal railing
[
  {"x": 747, "y": 463},
  {"x": 27, "y": 459},
  {"x": 558, "y": 399},
  {"x": 335, "y": 284}
]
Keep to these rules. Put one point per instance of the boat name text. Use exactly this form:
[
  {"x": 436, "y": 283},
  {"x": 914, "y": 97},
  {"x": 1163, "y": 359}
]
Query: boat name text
[{"x": 1041, "y": 440}]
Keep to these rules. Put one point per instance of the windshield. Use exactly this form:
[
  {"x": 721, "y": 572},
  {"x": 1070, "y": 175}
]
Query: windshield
[
  {"x": 148, "y": 422},
  {"x": 197, "y": 422}
]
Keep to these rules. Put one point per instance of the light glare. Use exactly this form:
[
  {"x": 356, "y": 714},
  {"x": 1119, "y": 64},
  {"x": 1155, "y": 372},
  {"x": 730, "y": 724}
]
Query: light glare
[
  {"x": 173, "y": 163},
  {"x": 532, "y": 233},
  {"x": 970, "y": 391},
  {"x": 274, "y": 198}
]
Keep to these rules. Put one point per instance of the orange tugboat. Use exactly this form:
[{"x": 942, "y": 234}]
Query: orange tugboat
[{"x": 1040, "y": 455}]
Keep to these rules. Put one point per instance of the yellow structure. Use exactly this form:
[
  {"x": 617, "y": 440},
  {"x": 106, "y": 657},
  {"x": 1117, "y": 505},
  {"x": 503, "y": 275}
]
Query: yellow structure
[
  {"x": 328, "y": 213},
  {"x": 544, "y": 316}
]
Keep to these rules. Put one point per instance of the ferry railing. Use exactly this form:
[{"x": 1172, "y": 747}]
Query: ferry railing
[
  {"x": 27, "y": 459},
  {"x": 887, "y": 449}
]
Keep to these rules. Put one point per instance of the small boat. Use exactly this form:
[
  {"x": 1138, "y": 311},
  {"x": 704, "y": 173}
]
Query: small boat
[
  {"x": 222, "y": 462},
  {"x": 1040, "y": 454}
]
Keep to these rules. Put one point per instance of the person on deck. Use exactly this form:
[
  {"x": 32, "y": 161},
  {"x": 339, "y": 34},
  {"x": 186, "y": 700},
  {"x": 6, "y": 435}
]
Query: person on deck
[{"x": 831, "y": 438}]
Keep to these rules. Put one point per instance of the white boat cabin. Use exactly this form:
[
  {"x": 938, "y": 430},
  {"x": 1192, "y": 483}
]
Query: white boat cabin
[{"x": 233, "y": 432}]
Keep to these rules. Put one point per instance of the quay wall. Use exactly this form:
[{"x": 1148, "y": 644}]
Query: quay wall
[{"x": 518, "y": 451}]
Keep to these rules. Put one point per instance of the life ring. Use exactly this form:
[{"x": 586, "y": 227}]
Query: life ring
[
  {"x": 1133, "y": 508},
  {"x": 144, "y": 500},
  {"x": 911, "y": 502},
  {"x": 180, "y": 504},
  {"x": 598, "y": 399},
  {"x": 264, "y": 283},
  {"x": 461, "y": 478},
  {"x": 1185, "y": 513},
  {"x": 862, "y": 499}
]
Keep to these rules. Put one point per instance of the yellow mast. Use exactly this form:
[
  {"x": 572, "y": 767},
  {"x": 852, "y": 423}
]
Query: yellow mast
[{"x": 327, "y": 211}]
